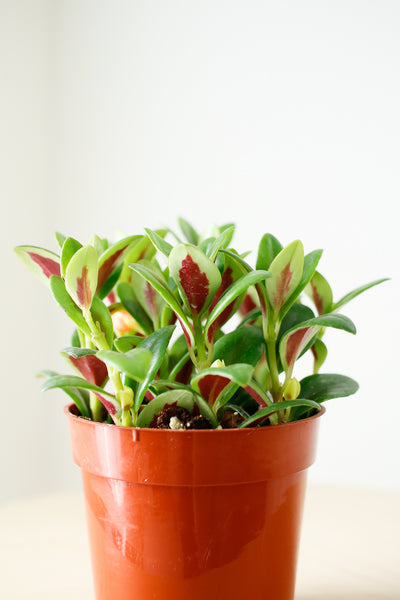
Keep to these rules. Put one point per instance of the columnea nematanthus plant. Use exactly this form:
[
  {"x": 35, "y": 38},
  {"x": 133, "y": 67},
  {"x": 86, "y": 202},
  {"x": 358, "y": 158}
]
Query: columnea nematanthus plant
[{"x": 149, "y": 344}]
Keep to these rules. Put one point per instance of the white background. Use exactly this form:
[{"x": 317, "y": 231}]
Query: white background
[{"x": 279, "y": 116}]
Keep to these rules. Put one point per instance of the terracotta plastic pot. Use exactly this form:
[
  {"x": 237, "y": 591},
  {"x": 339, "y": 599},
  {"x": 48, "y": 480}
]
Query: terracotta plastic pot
[{"x": 193, "y": 515}]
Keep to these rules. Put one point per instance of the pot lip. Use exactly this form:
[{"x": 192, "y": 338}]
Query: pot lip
[{"x": 68, "y": 410}]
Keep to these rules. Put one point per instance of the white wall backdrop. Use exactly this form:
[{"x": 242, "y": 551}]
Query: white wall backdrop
[{"x": 279, "y": 116}]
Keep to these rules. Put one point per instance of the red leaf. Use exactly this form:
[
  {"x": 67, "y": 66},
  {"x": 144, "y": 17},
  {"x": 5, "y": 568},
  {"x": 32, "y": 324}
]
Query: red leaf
[
  {"x": 296, "y": 342},
  {"x": 255, "y": 396},
  {"x": 211, "y": 386},
  {"x": 108, "y": 266},
  {"x": 91, "y": 368},
  {"x": 83, "y": 288},
  {"x": 247, "y": 305},
  {"x": 282, "y": 286},
  {"x": 194, "y": 283}
]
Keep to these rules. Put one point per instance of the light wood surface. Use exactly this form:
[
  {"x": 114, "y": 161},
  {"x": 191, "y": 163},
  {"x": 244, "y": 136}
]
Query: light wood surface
[{"x": 350, "y": 547}]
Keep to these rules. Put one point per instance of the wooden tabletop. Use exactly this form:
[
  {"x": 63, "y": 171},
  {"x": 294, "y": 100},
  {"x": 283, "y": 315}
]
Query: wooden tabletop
[{"x": 350, "y": 547}]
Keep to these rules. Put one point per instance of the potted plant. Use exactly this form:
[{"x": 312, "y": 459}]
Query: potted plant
[{"x": 191, "y": 430}]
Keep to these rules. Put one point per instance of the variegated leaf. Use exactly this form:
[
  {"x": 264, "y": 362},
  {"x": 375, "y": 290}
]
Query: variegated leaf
[
  {"x": 286, "y": 272},
  {"x": 41, "y": 262},
  {"x": 296, "y": 339},
  {"x": 81, "y": 276},
  {"x": 109, "y": 401},
  {"x": 110, "y": 259},
  {"x": 196, "y": 276},
  {"x": 87, "y": 364},
  {"x": 320, "y": 293},
  {"x": 210, "y": 383}
]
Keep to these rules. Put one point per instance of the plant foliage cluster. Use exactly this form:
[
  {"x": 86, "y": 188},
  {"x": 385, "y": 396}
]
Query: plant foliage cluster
[{"x": 152, "y": 332}]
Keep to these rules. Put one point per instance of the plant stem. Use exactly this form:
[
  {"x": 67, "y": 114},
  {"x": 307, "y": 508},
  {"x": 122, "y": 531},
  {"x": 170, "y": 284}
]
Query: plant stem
[{"x": 99, "y": 339}]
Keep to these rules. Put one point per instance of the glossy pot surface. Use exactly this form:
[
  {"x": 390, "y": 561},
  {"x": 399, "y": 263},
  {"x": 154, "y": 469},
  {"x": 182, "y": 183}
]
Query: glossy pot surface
[{"x": 193, "y": 515}]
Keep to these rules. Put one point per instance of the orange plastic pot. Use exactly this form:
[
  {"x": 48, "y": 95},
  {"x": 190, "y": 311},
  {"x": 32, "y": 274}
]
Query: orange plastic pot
[{"x": 193, "y": 515}]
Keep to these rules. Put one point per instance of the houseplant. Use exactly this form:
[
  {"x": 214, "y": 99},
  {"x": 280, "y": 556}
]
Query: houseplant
[{"x": 193, "y": 434}]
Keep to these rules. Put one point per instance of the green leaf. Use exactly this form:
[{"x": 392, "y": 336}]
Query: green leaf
[
  {"x": 98, "y": 244},
  {"x": 235, "y": 290},
  {"x": 69, "y": 248},
  {"x": 322, "y": 387},
  {"x": 311, "y": 261},
  {"x": 320, "y": 352},
  {"x": 160, "y": 285},
  {"x": 130, "y": 303},
  {"x": 268, "y": 249},
  {"x": 183, "y": 398},
  {"x": 150, "y": 301},
  {"x": 156, "y": 344},
  {"x": 79, "y": 397},
  {"x": 196, "y": 276},
  {"x": 81, "y": 276},
  {"x": 243, "y": 345},
  {"x": 41, "y": 262},
  {"x": 70, "y": 382},
  {"x": 325, "y": 386},
  {"x": 101, "y": 316},
  {"x": 159, "y": 243},
  {"x": 127, "y": 342},
  {"x": 134, "y": 363},
  {"x": 320, "y": 293},
  {"x": 188, "y": 231},
  {"x": 61, "y": 296},
  {"x": 77, "y": 352},
  {"x": 286, "y": 271},
  {"x": 357, "y": 292},
  {"x": 278, "y": 406},
  {"x": 60, "y": 238},
  {"x": 139, "y": 250},
  {"x": 220, "y": 242},
  {"x": 296, "y": 339}
]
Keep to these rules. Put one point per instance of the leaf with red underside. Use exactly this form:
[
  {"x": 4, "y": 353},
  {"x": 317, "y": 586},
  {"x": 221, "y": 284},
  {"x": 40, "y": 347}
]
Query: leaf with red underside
[
  {"x": 148, "y": 298},
  {"x": 286, "y": 271},
  {"x": 65, "y": 382},
  {"x": 87, "y": 364},
  {"x": 211, "y": 383},
  {"x": 196, "y": 276},
  {"x": 152, "y": 275},
  {"x": 112, "y": 257},
  {"x": 41, "y": 262},
  {"x": 311, "y": 261},
  {"x": 296, "y": 339},
  {"x": 320, "y": 293},
  {"x": 81, "y": 276}
]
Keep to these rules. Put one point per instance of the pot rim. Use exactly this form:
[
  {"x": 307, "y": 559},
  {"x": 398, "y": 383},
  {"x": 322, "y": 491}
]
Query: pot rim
[{"x": 69, "y": 411}]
